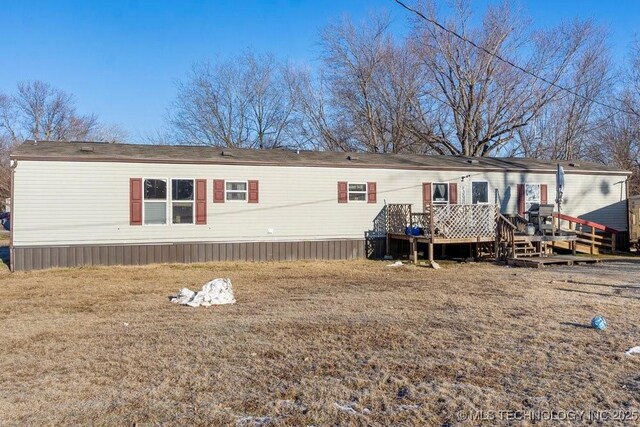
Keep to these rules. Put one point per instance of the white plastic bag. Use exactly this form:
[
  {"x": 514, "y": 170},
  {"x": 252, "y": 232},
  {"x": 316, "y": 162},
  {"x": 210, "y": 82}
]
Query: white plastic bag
[
  {"x": 215, "y": 292},
  {"x": 633, "y": 350}
]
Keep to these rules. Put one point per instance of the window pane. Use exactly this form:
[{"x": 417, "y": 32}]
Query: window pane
[
  {"x": 182, "y": 189},
  {"x": 357, "y": 197},
  {"x": 357, "y": 187},
  {"x": 155, "y": 213},
  {"x": 239, "y": 195},
  {"x": 440, "y": 192},
  {"x": 479, "y": 192},
  {"x": 155, "y": 189},
  {"x": 532, "y": 193},
  {"x": 182, "y": 213},
  {"x": 236, "y": 186}
]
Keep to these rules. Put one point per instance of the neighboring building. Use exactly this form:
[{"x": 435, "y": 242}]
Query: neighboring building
[
  {"x": 634, "y": 222},
  {"x": 93, "y": 203}
]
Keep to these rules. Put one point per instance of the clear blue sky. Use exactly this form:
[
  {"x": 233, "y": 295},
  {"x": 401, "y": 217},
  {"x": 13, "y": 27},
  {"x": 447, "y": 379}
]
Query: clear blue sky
[{"x": 121, "y": 59}]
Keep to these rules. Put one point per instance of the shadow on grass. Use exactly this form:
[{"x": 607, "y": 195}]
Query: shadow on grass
[
  {"x": 606, "y": 285},
  {"x": 576, "y": 325},
  {"x": 600, "y": 294}
]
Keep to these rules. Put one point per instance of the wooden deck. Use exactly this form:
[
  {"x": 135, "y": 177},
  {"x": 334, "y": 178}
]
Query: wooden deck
[
  {"x": 440, "y": 240},
  {"x": 489, "y": 233},
  {"x": 541, "y": 262}
]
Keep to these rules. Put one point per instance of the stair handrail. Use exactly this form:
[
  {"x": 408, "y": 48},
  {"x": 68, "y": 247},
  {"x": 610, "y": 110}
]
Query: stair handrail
[
  {"x": 519, "y": 221},
  {"x": 504, "y": 220},
  {"x": 505, "y": 237},
  {"x": 585, "y": 222}
]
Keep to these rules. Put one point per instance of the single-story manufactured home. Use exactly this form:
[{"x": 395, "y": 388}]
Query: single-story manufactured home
[{"x": 84, "y": 203}]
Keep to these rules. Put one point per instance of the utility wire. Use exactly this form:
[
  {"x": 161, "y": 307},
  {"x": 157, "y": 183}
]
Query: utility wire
[{"x": 512, "y": 64}]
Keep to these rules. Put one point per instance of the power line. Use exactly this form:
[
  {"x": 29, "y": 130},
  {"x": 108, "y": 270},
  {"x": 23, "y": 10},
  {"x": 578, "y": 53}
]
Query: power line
[{"x": 512, "y": 64}]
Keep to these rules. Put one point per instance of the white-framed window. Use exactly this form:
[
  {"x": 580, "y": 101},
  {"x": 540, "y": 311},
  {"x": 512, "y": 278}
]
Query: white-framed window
[
  {"x": 479, "y": 192},
  {"x": 440, "y": 193},
  {"x": 531, "y": 195},
  {"x": 236, "y": 191},
  {"x": 182, "y": 201},
  {"x": 155, "y": 201},
  {"x": 357, "y": 192}
]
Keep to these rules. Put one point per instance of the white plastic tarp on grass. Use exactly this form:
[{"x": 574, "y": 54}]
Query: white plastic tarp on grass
[{"x": 215, "y": 292}]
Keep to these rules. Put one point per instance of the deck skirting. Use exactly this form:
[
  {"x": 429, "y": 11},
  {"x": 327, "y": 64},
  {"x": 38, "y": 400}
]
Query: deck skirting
[{"x": 43, "y": 257}]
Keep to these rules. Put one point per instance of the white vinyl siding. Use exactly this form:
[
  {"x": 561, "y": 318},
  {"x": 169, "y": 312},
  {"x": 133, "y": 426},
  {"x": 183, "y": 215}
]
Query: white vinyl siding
[{"x": 66, "y": 203}]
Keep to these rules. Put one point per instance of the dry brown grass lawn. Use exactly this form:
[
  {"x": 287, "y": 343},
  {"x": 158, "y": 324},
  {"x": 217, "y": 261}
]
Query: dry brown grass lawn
[{"x": 314, "y": 343}]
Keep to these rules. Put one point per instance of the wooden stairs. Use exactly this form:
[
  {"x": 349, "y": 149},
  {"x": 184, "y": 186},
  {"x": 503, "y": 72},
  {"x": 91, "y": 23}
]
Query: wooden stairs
[
  {"x": 525, "y": 248},
  {"x": 584, "y": 236}
]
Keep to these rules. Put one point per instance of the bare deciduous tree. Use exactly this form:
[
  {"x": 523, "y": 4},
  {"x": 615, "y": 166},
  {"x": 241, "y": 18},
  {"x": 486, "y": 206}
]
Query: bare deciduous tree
[
  {"x": 486, "y": 100},
  {"x": 618, "y": 138},
  {"x": 245, "y": 102},
  {"x": 209, "y": 109},
  {"x": 618, "y": 144},
  {"x": 566, "y": 127},
  {"x": 375, "y": 88},
  {"x": 270, "y": 90},
  {"x": 46, "y": 113},
  {"x": 8, "y": 137},
  {"x": 316, "y": 124}
]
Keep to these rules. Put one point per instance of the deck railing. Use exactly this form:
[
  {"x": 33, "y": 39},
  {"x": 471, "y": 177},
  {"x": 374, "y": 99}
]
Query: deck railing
[
  {"x": 445, "y": 221},
  {"x": 398, "y": 217},
  {"x": 595, "y": 236}
]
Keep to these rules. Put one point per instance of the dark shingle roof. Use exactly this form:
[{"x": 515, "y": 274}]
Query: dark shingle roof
[{"x": 95, "y": 151}]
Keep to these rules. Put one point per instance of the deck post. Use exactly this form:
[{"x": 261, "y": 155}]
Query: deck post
[
  {"x": 387, "y": 245},
  {"x": 410, "y": 217},
  {"x": 431, "y": 224},
  {"x": 513, "y": 243},
  {"x": 431, "y": 232},
  {"x": 593, "y": 240},
  {"x": 613, "y": 243},
  {"x": 414, "y": 249}
]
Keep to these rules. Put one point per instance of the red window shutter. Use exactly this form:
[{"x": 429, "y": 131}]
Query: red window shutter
[
  {"x": 253, "y": 192},
  {"x": 135, "y": 201},
  {"x": 521, "y": 199},
  {"x": 453, "y": 193},
  {"x": 426, "y": 193},
  {"x": 201, "y": 201},
  {"x": 371, "y": 192},
  {"x": 343, "y": 195},
  {"x": 218, "y": 191},
  {"x": 543, "y": 194}
]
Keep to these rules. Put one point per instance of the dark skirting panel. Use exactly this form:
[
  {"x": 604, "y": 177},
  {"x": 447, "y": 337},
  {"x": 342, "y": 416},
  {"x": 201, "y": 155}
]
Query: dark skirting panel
[{"x": 37, "y": 258}]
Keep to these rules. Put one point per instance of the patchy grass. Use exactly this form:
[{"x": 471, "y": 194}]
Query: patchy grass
[{"x": 323, "y": 343}]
